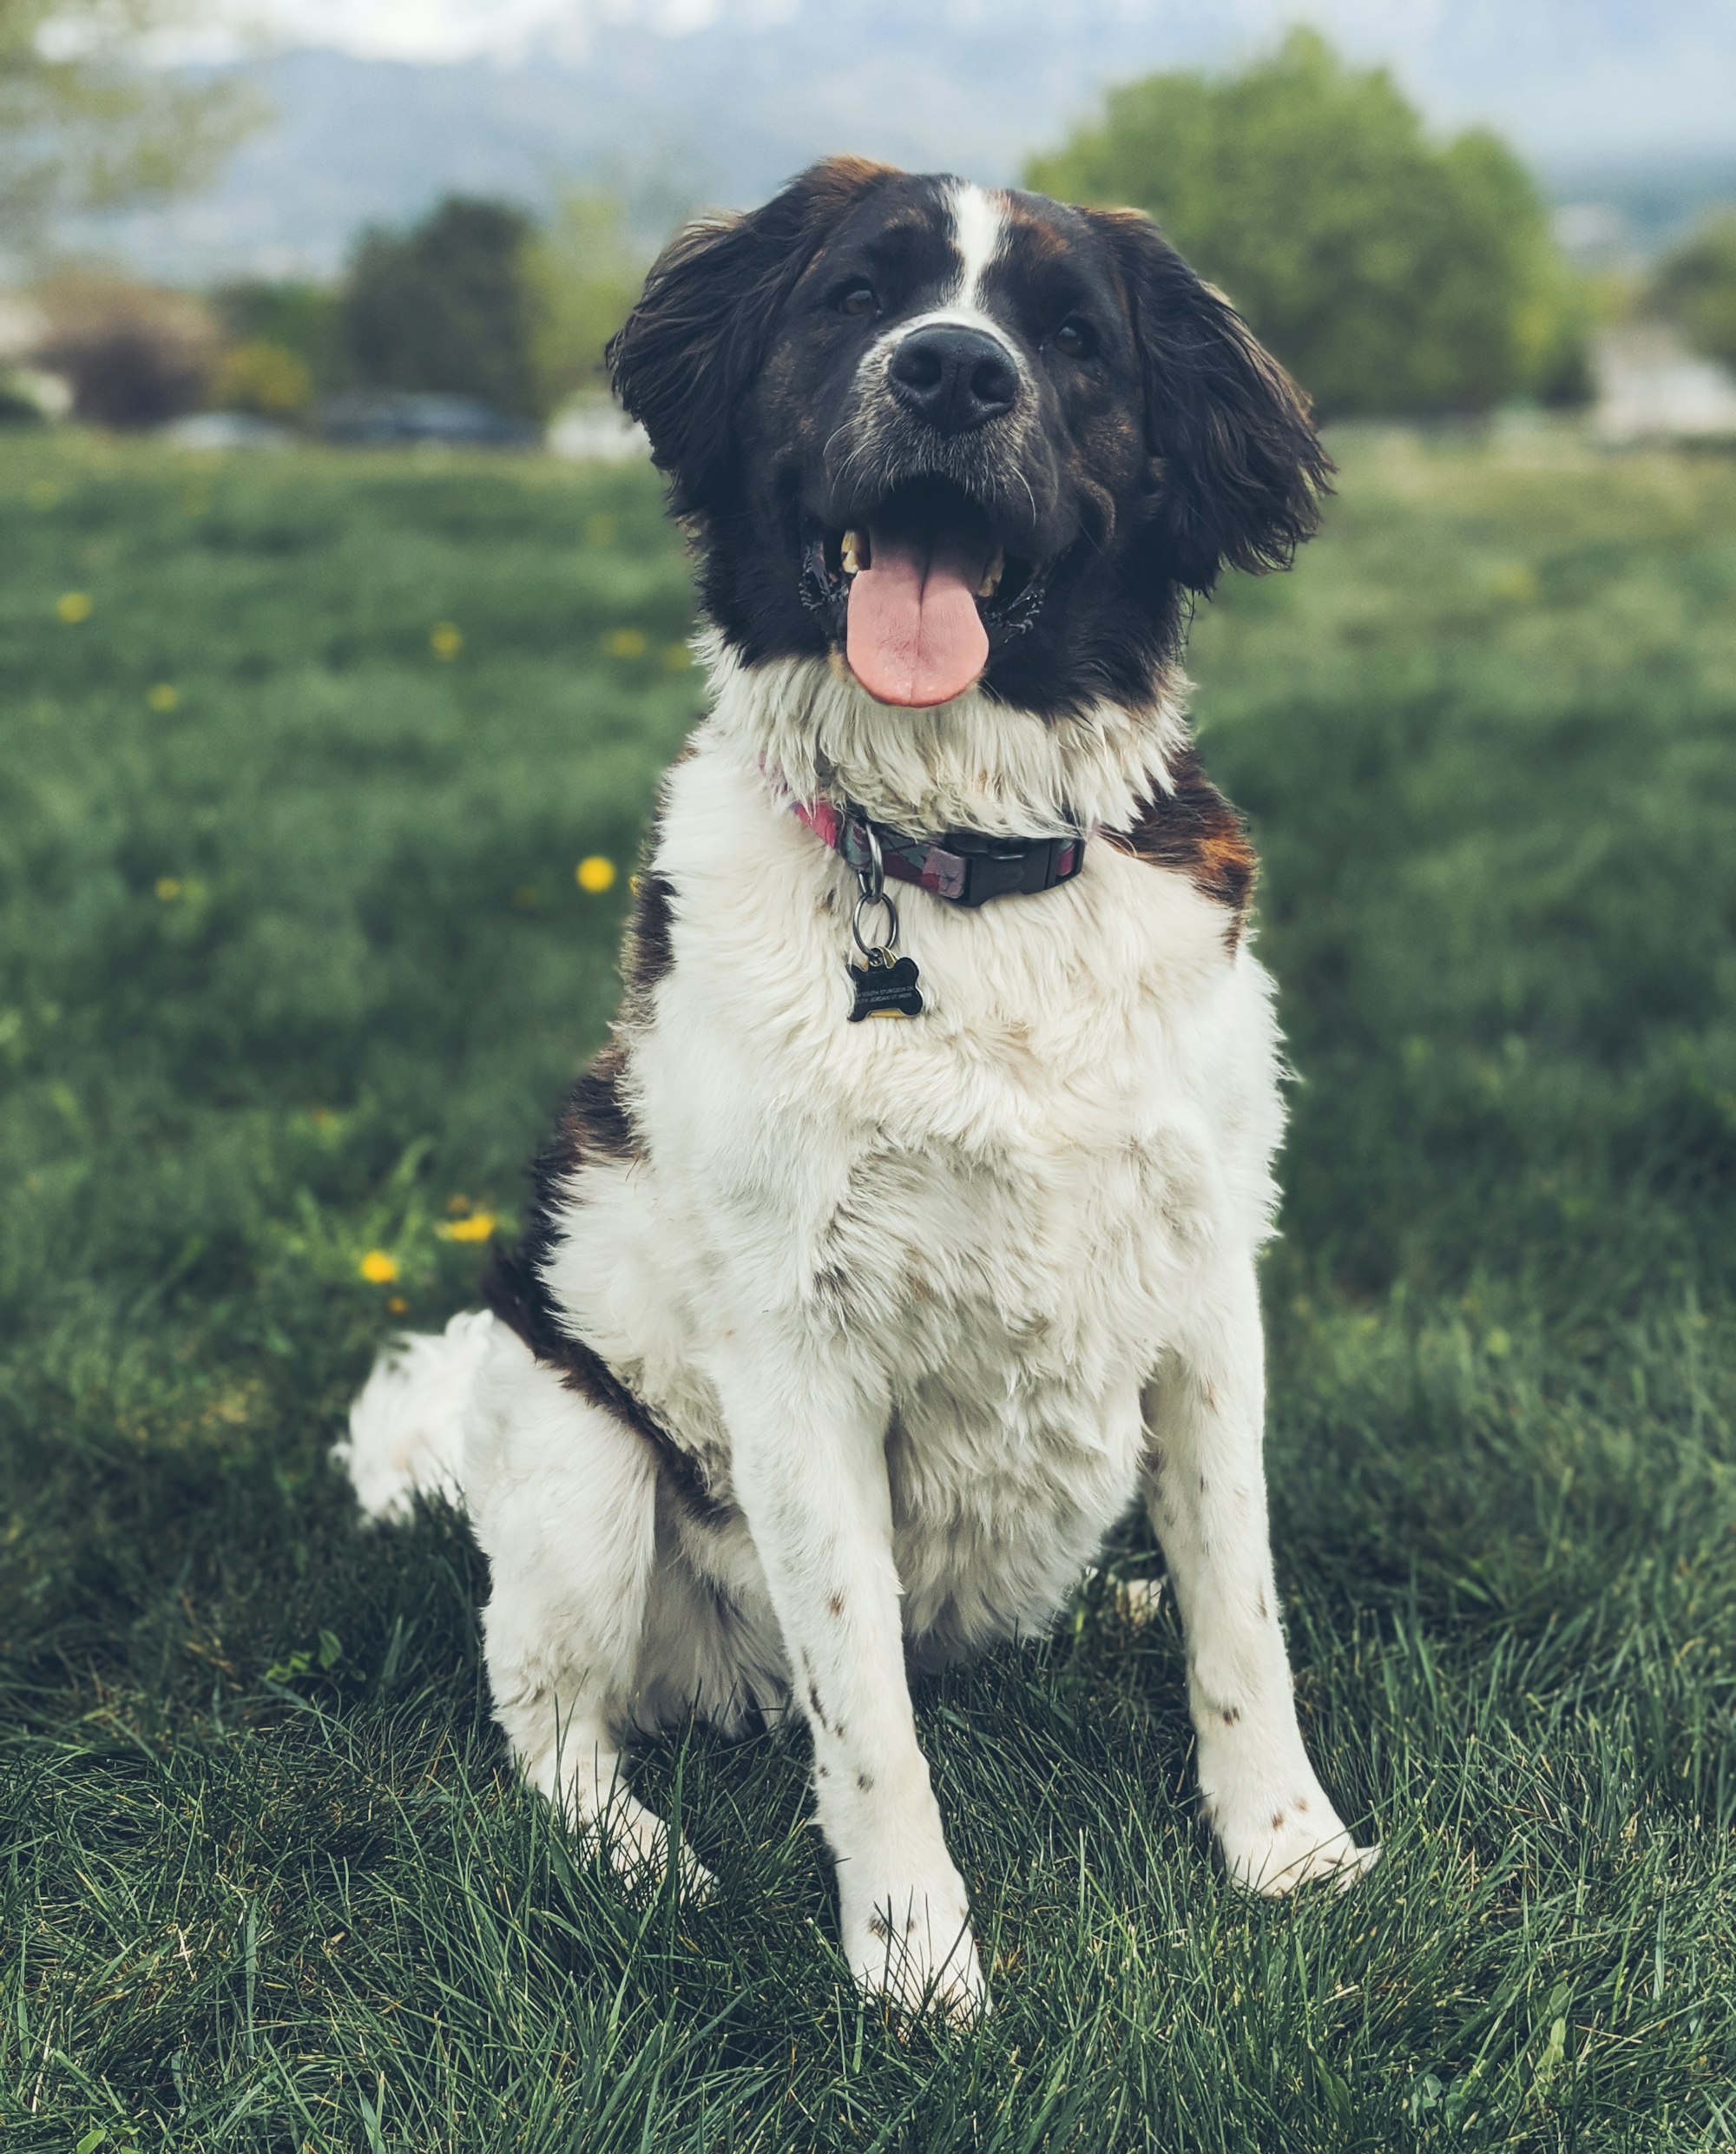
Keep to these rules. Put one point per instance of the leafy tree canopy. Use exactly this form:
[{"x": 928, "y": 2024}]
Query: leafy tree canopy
[
  {"x": 1392, "y": 274},
  {"x": 448, "y": 306},
  {"x": 85, "y": 125}
]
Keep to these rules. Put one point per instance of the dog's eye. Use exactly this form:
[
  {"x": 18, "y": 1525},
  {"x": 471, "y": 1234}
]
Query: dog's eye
[
  {"x": 856, "y": 300},
  {"x": 1075, "y": 338}
]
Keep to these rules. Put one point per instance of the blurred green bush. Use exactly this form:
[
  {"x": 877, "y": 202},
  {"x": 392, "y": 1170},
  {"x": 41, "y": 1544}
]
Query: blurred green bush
[{"x": 1392, "y": 275}]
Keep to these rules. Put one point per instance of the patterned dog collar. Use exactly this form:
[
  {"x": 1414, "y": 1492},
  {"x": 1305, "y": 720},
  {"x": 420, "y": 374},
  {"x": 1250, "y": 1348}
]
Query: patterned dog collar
[{"x": 963, "y": 866}]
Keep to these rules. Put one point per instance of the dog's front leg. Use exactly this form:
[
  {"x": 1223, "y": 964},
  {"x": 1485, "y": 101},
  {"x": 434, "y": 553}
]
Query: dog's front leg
[
  {"x": 1205, "y": 1487},
  {"x": 808, "y": 1451}
]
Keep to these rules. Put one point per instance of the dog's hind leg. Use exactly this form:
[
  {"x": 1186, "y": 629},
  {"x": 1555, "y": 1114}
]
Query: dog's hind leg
[
  {"x": 1205, "y": 1488},
  {"x": 564, "y": 1499}
]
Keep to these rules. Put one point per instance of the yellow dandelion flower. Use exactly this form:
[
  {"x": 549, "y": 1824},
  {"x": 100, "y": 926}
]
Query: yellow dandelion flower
[
  {"x": 1518, "y": 583},
  {"x": 676, "y": 657},
  {"x": 397, "y": 1306},
  {"x": 377, "y": 1269},
  {"x": 625, "y": 642},
  {"x": 477, "y": 1227},
  {"x": 169, "y": 888},
  {"x": 164, "y": 697},
  {"x": 446, "y": 641},
  {"x": 73, "y": 607},
  {"x": 595, "y": 873}
]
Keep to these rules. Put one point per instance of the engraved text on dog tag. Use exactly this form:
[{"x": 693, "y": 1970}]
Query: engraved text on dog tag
[{"x": 885, "y": 987}]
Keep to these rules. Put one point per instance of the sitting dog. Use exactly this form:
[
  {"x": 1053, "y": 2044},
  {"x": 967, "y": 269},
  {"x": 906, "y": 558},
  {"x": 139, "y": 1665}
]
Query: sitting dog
[{"x": 905, "y": 1232}]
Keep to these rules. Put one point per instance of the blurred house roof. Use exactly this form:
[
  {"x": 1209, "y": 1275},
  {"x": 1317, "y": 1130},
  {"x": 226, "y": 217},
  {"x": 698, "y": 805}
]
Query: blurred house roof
[{"x": 22, "y": 327}]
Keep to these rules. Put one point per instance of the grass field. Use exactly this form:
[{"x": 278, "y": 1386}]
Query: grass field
[{"x": 293, "y": 964}]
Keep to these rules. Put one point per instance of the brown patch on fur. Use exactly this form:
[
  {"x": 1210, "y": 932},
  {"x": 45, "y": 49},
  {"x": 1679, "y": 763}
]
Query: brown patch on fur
[
  {"x": 836, "y": 1603},
  {"x": 1193, "y": 830},
  {"x": 1039, "y": 238},
  {"x": 1277, "y": 1821}
]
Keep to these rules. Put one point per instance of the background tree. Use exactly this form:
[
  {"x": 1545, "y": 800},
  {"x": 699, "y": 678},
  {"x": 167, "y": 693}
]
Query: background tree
[
  {"x": 451, "y": 305},
  {"x": 1696, "y": 285},
  {"x": 586, "y": 273},
  {"x": 1390, "y": 274},
  {"x": 292, "y": 316},
  {"x": 84, "y": 125}
]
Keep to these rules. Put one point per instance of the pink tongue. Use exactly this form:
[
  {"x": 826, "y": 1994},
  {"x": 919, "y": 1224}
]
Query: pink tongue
[{"x": 913, "y": 632}]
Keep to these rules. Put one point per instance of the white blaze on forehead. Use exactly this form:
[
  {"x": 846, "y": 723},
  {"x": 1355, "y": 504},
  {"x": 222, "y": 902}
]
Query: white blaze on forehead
[
  {"x": 979, "y": 232},
  {"x": 979, "y": 224}
]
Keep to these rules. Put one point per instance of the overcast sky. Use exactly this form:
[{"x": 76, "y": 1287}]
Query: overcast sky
[
  {"x": 1561, "y": 76},
  {"x": 462, "y": 28}
]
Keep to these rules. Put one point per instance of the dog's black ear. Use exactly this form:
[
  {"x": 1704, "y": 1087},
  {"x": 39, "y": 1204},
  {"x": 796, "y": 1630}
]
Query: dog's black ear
[
  {"x": 1237, "y": 465},
  {"x": 696, "y": 338}
]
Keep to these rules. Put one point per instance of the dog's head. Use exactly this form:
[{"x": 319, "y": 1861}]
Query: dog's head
[{"x": 948, "y": 435}]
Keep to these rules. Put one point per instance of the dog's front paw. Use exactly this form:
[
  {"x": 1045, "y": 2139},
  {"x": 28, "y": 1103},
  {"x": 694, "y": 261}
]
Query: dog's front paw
[
  {"x": 1273, "y": 1844},
  {"x": 910, "y": 1943}
]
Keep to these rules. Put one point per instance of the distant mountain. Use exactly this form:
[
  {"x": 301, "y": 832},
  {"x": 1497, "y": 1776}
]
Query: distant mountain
[{"x": 722, "y": 114}]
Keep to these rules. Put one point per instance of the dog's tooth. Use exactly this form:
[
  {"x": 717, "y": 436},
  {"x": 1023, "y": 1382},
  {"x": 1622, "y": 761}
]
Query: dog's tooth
[
  {"x": 853, "y": 551},
  {"x": 992, "y": 575}
]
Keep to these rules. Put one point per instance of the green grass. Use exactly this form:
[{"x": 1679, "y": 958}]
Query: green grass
[{"x": 286, "y": 967}]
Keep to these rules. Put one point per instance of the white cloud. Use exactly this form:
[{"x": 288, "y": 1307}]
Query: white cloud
[{"x": 410, "y": 29}]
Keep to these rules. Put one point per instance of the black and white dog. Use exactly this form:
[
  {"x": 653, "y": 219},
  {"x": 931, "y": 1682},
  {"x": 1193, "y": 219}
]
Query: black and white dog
[{"x": 896, "y": 1243}]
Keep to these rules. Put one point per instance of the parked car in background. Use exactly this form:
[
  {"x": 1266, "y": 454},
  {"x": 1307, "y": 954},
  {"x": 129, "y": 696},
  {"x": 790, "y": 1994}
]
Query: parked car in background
[{"x": 385, "y": 418}]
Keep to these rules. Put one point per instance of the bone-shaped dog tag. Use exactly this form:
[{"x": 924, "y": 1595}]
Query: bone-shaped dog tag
[{"x": 885, "y": 987}]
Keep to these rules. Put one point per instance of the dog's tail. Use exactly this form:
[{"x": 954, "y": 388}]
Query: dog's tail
[{"x": 406, "y": 1427}]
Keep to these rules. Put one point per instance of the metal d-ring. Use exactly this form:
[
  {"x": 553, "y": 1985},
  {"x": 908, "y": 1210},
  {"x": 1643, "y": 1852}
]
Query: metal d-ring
[
  {"x": 871, "y": 883},
  {"x": 868, "y": 899}
]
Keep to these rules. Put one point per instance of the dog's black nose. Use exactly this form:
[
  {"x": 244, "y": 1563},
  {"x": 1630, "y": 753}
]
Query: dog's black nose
[{"x": 954, "y": 377}]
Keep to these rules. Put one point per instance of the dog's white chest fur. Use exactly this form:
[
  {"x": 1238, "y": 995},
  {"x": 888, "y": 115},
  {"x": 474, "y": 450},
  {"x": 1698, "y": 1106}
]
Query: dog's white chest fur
[{"x": 998, "y": 1214}]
